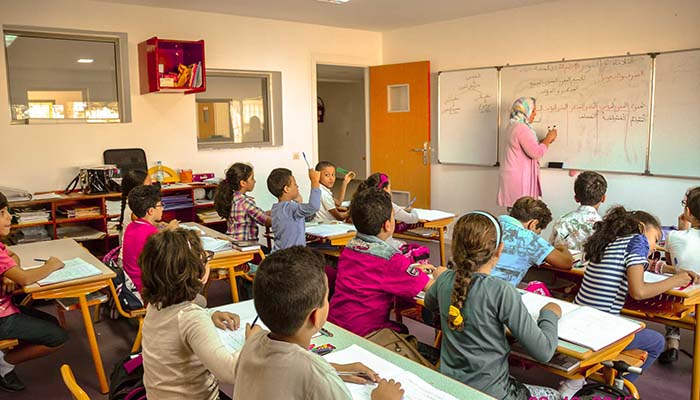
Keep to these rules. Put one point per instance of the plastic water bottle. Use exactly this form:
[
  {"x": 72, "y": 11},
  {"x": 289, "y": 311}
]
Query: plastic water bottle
[{"x": 160, "y": 176}]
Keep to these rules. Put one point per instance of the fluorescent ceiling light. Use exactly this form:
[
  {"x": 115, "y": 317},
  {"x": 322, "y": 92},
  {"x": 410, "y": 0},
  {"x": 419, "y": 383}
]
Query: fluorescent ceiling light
[
  {"x": 334, "y": 1},
  {"x": 86, "y": 60}
]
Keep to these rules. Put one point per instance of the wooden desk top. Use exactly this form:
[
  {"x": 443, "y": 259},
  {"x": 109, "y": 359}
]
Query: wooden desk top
[
  {"x": 342, "y": 339},
  {"x": 63, "y": 249}
]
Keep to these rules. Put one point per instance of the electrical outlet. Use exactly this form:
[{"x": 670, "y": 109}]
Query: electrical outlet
[{"x": 296, "y": 155}]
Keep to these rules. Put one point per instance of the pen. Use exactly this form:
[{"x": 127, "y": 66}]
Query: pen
[
  {"x": 325, "y": 332},
  {"x": 362, "y": 375},
  {"x": 41, "y": 259},
  {"x": 255, "y": 320},
  {"x": 305, "y": 160},
  {"x": 411, "y": 202}
]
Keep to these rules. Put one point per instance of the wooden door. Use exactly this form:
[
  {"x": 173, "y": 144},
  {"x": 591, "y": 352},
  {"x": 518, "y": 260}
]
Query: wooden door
[
  {"x": 400, "y": 126},
  {"x": 205, "y": 120}
]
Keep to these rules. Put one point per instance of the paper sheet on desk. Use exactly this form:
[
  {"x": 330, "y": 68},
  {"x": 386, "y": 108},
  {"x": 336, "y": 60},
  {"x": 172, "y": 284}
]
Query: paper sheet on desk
[
  {"x": 534, "y": 303},
  {"x": 326, "y": 230},
  {"x": 650, "y": 277},
  {"x": 75, "y": 268},
  {"x": 432, "y": 215},
  {"x": 414, "y": 387},
  {"x": 193, "y": 228},
  {"x": 215, "y": 245},
  {"x": 234, "y": 340}
]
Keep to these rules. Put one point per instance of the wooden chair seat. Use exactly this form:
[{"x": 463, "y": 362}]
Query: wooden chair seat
[
  {"x": 633, "y": 357},
  {"x": 139, "y": 314}
]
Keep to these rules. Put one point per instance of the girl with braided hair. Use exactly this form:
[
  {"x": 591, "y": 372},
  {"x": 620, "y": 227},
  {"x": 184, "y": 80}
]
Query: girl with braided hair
[{"x": 476, "y": 309}]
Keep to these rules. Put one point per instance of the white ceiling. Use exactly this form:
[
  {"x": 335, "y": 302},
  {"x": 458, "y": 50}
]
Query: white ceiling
[{"x": 374, "y": 15}]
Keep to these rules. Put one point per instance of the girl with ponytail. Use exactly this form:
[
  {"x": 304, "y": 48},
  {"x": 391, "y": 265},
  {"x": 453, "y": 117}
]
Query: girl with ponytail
[
  {"x": 233, "y": 204},
  {"x": 476, "y": 309},
  {"x": 132, "y": 179}
]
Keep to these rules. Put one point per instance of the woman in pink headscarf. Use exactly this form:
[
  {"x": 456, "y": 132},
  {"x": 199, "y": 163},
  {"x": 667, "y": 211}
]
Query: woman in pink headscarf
[{"x": 520, "y": 172}]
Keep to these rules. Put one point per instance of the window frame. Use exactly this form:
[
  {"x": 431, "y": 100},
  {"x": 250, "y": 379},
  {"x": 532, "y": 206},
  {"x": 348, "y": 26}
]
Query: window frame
[
  {"x": 273, "y": 112},
  {"x": 121, "y": 57}
]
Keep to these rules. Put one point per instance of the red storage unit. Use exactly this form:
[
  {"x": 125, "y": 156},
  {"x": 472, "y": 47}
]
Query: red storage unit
[{"x": 159, "y": 60}]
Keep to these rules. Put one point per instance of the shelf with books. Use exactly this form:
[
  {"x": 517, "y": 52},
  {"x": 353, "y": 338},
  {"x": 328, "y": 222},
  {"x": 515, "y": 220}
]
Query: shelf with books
[
  {"x": 30, "y": 224},
  {"x": 172, "y": 66},
  {"x": 82, "y": 219}
]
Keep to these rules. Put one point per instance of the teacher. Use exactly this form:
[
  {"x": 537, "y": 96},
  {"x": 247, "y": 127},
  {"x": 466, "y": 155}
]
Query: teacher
[{"x": 520, "y": 172}]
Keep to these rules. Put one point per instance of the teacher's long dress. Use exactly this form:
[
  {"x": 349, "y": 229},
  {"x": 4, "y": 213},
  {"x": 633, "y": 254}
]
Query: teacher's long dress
[{"x": 520, "y": 173}]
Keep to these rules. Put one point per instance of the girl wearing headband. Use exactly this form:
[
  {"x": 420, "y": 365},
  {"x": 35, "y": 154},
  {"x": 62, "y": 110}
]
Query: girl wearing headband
[{"x": 475, "y": 309}]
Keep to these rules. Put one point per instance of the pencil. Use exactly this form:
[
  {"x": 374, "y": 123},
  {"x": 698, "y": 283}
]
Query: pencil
[{"x": 255, "y": 320}]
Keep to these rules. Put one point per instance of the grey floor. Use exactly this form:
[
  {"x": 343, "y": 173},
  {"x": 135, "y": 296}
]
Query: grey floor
[{"x": 115, "y": 337}]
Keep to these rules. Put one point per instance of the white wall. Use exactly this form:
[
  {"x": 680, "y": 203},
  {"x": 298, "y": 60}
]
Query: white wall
[
  {"x": 45, "y": 157},
  {"x": 341, "y": 136},
  {"x": 549, "y": 32}
]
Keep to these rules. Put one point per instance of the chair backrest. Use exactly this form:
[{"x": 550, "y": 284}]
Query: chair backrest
[{"x": 69, "y": 380}]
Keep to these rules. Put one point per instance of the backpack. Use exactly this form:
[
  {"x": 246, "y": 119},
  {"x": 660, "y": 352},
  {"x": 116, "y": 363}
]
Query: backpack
[
  {"x": 126, "y": 380},
  {"x": 596, "y": 390},
  {"x": 127, "y": 294}
]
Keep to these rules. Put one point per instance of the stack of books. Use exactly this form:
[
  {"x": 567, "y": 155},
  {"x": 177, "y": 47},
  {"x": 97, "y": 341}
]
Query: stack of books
[
  {"x": 79, "y": 232},
  {"x": 209, "y": 216},
  {"x": 29, "y": 216},
  {"x": 177, "y": 202},
  {"x": 114, "y": 207},
  {"x": 70, "y": 211},
  {"x": 32, "y": 234},
  {"x": 245, "y": 245}
]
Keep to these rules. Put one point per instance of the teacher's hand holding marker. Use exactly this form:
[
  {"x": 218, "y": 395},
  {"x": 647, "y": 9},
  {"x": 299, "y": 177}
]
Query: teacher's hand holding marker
[{"x": 551, "y": 135}]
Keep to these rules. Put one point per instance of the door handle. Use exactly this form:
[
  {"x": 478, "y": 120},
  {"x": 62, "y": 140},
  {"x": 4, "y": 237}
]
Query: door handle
[{"x": 426, "y": 152}]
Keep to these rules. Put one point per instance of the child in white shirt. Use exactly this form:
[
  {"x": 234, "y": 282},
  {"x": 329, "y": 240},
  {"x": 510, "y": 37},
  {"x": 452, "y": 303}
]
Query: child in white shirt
[{"x": 330, "y": 206}]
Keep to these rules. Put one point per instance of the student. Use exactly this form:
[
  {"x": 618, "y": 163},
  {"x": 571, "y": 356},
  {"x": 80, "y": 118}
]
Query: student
[
  {"x": 381, "y": 181},
  {"x": 38, "y": 333},
  {"x": 145, "y": 203},
  {"x": 291, "y": 298},
  {"x": 289, "y": 214},
  {"x": 477, "y": 309},
  {"x": 182, "y": 354},
  {"x": 617, "y": 253},
  {"x": 238, "y": 209},
  {"x": 371, "y": 273},
  {"x": 132, "y": 179},
  {"x": 522, "y": 245},
  {"x": 329, "y": 206},
  {"x": 572, "y": 229},
  {"x": 683, "y": 248}
]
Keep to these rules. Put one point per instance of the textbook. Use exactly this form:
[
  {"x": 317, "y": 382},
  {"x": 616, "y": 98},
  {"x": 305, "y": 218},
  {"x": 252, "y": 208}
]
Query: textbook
[
  {"x": 582, "y": 325},
  {"x": 559, "y": 361},
  {"x": 245, "y": 245}
]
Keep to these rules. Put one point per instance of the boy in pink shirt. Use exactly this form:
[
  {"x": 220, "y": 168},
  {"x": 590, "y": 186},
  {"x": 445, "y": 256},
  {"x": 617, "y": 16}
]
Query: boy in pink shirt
[
  {"x": 144, "y": 202},
  {"x": 371, "y": 273}
]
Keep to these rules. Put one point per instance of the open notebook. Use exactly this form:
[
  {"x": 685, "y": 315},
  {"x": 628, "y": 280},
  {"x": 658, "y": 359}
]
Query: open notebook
[
  {"x": 414, "y": 387},
  {"x": 73, "y": 269},
  {"x": 581, "y": 325}
]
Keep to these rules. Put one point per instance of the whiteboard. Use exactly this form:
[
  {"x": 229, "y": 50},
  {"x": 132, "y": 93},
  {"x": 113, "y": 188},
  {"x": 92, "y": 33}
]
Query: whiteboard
[
  {"x": 675, "y": 148},
  {"x": 600, "y": 108},
  {"x": 468, "y": 116}
]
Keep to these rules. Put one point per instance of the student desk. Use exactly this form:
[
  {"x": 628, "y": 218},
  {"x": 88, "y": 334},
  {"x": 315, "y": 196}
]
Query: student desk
[
  {"x": 440, "y": 226},
  {"x": 342, "y": 339},
  {"x": 674, "y": 307},
  {"x": 65, "y": 249},
  {"x": 227, "y": 261}
]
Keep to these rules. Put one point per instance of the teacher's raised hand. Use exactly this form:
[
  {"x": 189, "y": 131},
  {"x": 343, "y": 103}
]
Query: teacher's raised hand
[{"x": 551, "y": 137}]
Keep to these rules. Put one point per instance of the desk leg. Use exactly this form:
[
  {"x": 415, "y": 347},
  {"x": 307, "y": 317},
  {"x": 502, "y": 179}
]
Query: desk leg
[
  {"x": 232, "y": 281},
  {"x": 695, "y": 391},
  {"x": 442, "y": 247},
  {"x": 96, "y": 358}
]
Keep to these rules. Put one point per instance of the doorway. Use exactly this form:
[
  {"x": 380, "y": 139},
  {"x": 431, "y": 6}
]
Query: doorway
[{"x": 342, "y": 120}]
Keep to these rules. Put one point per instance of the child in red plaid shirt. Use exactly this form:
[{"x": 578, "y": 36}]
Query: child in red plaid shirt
[{"x": 238, "y": 209}]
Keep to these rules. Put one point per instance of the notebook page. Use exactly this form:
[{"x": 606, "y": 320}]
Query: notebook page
[
  {"x": 534, "y": 303},
  {"x": 593, "y": 328},
  {"x": 414, "y": 387},
  {"x": 432, "y": 215},
  {"x": 75, "y": 268}
]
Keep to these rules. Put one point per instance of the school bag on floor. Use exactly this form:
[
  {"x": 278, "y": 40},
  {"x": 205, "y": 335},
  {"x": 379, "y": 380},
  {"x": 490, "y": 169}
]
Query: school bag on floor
[
  {"x": 126, "y": 380},
  {"x": 128, "y": 296}
]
